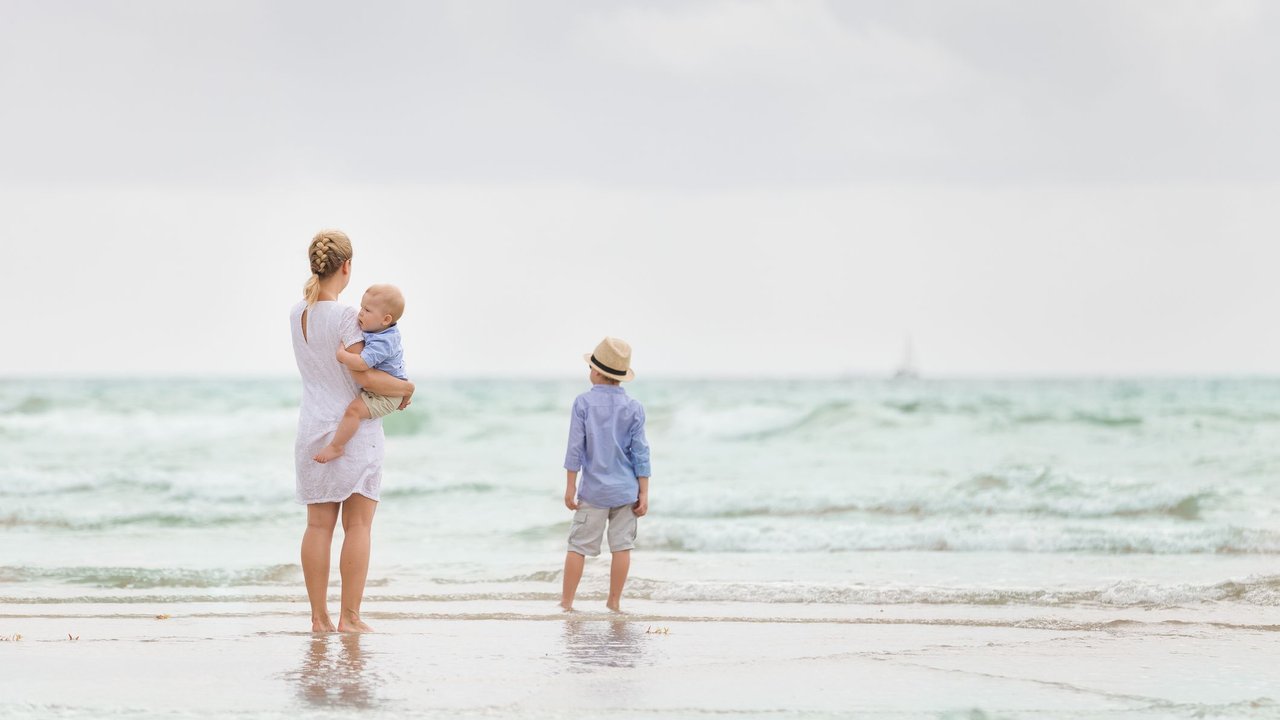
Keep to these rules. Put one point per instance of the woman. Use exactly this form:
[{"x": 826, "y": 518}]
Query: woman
[{"x": 350, "y": 484}]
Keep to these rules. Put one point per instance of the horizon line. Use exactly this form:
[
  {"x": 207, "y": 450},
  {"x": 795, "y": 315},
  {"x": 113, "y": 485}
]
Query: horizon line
[{"x": 677, "y": 377}]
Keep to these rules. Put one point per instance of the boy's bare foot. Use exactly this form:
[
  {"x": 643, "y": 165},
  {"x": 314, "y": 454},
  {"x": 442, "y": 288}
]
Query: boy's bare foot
[
  {"x": 351, "y": 622},
  {"x": 614, "y": 605},
  {"x": 322, "y": 625},
  {"x": 328, "y": 453},
  {"x": 566, "y": 608}
]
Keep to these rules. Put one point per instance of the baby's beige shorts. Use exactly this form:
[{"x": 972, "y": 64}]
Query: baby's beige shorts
[
  {"x": 380, "y": 405},
  {"x": 589, "y": 525}
]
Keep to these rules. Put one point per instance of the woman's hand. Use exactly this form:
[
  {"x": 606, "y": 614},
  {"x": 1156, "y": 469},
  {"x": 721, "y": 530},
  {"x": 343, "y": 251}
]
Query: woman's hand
[{"x": 408, "y": 398}]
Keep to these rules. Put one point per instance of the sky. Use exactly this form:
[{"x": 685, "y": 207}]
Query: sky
[{"x": 753, "y": 188}]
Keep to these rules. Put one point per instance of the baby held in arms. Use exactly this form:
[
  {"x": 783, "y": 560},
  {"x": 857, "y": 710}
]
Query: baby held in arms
[{"x": 380, "y": 309}]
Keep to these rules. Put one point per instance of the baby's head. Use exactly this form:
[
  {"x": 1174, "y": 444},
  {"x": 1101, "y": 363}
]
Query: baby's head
[{"x": 380, "y": 308}]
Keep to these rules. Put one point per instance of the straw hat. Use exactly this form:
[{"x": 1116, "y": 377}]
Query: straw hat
[{"x": 613, "y": 359}]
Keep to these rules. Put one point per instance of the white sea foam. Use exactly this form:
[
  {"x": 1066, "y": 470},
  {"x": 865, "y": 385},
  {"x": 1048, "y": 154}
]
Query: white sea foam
[
  {"x": 1262, "y": 591},
  {"x": 952, "y": 535}
]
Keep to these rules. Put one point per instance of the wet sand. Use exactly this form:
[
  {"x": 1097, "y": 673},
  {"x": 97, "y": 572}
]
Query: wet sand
[{"x": 525, "y": 659}]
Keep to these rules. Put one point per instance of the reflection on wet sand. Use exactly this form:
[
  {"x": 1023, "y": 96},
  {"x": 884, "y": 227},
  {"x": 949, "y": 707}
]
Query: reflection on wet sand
[
  {"x": 593, "y": 644},
  {"x": 335, "y": 673}
]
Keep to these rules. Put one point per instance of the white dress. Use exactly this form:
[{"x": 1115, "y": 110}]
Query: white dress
[{"x": 327, "y": 389}]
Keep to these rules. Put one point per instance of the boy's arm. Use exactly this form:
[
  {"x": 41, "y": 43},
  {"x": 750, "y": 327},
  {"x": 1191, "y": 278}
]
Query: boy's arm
[
  {"x": 640, "y": 457},
  {"x": 571, "y": 489},
  {"x": 573, "y": 453},
  {"x": 642, "y": 502}
]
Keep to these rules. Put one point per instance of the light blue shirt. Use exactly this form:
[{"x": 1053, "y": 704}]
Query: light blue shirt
[
  {"x": 607, "y": 443},
  {"x": 382, "y": 351}
]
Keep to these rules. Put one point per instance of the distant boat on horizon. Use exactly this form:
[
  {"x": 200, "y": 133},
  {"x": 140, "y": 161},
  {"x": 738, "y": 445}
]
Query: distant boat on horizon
[{"x": 907, "y": 368}]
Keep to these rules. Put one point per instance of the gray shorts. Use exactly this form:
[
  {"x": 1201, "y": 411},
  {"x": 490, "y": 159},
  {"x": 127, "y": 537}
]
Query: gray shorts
[{"x": 589, "y": 525}]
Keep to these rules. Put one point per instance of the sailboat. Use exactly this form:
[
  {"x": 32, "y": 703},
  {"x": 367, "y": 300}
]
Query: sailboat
[{"x": 907, "y": 368}]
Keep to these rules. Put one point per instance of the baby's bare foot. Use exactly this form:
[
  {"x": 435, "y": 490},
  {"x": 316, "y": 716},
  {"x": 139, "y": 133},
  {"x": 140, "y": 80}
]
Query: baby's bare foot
[
  {"x": 350, "y": 622},
  {"x": 322, "y": 625},
  {"x": 330, "y": 452}
]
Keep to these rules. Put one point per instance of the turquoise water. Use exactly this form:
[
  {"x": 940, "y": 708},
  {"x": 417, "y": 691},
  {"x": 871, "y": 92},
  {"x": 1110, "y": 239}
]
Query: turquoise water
[{"x": 178, "y": 488}]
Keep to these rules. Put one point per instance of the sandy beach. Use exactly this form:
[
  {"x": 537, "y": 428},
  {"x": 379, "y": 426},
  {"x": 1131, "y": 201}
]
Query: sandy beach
[{"x": 526, "y": 659}]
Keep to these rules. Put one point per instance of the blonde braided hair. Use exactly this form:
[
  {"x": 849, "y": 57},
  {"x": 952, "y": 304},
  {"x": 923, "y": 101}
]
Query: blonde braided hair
[{"x": 328, "y": 251}]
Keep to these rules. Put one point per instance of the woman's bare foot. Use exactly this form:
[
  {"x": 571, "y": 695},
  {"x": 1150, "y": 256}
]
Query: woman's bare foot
[
  {"x": 330, "y": 452},
  {"x": 322, "y": 624},
  {"x": 351, "y": 622}
]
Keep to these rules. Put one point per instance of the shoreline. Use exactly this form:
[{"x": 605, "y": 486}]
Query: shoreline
[{"x": 662, "y": 662}]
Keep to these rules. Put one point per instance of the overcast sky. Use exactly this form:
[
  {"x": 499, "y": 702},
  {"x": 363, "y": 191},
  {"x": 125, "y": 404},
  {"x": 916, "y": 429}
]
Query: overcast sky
[{"x": 744, "y": 188}]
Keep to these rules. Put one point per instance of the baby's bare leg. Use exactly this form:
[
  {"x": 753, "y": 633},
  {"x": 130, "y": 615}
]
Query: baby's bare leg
[{"x": 356, "y": 412}]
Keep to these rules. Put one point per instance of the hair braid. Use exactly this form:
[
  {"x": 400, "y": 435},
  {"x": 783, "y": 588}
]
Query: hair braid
[{"x": 328, "y": 251}]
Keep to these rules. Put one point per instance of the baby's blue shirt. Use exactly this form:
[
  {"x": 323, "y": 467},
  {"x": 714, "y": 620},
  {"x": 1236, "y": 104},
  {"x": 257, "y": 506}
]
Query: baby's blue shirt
[{"x": 382, "y": 351}]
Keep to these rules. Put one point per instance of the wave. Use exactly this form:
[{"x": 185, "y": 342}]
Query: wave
[
  {"x": 768, "y": 535},
  {"x": 154, "y": 519},
  {"x": 1263, "y": 591},
  {"x": 458, "y": 488},
  {"x": 1017, "y": 491},
  {"x": 136, "y": 577},
  {"x": 822, "y": 416},
  {"x": 1252, "y": 590},
  {"x": 1185, "y": 507},
  {"x": 1106, "y": 419},
  {"x": 1260, "y": 591}
]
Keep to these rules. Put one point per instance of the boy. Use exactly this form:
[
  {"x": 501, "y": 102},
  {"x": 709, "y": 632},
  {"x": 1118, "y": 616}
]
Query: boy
[
  {"x": 607, "y": 443},
  {"x": 380, "y": 310}
]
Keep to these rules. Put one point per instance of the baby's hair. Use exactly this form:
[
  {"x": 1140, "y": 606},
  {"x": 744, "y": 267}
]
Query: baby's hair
[
  {"x": 328, "y": 250},
  {"x": 389, "y": 298}
]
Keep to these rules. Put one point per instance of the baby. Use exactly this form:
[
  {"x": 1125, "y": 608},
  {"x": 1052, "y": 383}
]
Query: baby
[{"x": 380, "y": 309}]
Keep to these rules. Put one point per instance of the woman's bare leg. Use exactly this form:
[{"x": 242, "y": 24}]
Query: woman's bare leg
[
  {"x": 316, "y": 542},
  {"x": 357, "y": 519}
]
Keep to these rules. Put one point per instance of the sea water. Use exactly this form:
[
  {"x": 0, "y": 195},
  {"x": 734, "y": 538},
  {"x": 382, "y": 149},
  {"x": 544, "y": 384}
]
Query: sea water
[{"x": 985, "y": 502}]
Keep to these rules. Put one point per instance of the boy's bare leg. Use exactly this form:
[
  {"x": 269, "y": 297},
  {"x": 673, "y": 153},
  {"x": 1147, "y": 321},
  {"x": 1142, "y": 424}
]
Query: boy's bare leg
[
  {"x": 356, "y": 412},
  {"x": 617, "y": 578},
  {"x": 357, "y": 521},
  {"x": 316, "y": 542},
  {"x": 573, "y": 563}
]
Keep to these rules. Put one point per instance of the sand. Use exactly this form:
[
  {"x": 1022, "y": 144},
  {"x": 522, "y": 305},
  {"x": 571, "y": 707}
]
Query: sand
[{"x": 525, "y": 659}]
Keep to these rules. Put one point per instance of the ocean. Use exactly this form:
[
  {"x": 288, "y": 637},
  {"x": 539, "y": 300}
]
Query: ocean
[{"x": 1139, "y": 515}]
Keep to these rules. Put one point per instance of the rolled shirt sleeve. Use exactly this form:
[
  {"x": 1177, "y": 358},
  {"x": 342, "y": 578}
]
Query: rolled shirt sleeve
[
  {"x": 577, "y": 447},
  {"x": 639, "y": 444},
  {"x": 349, "y": 330}
]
